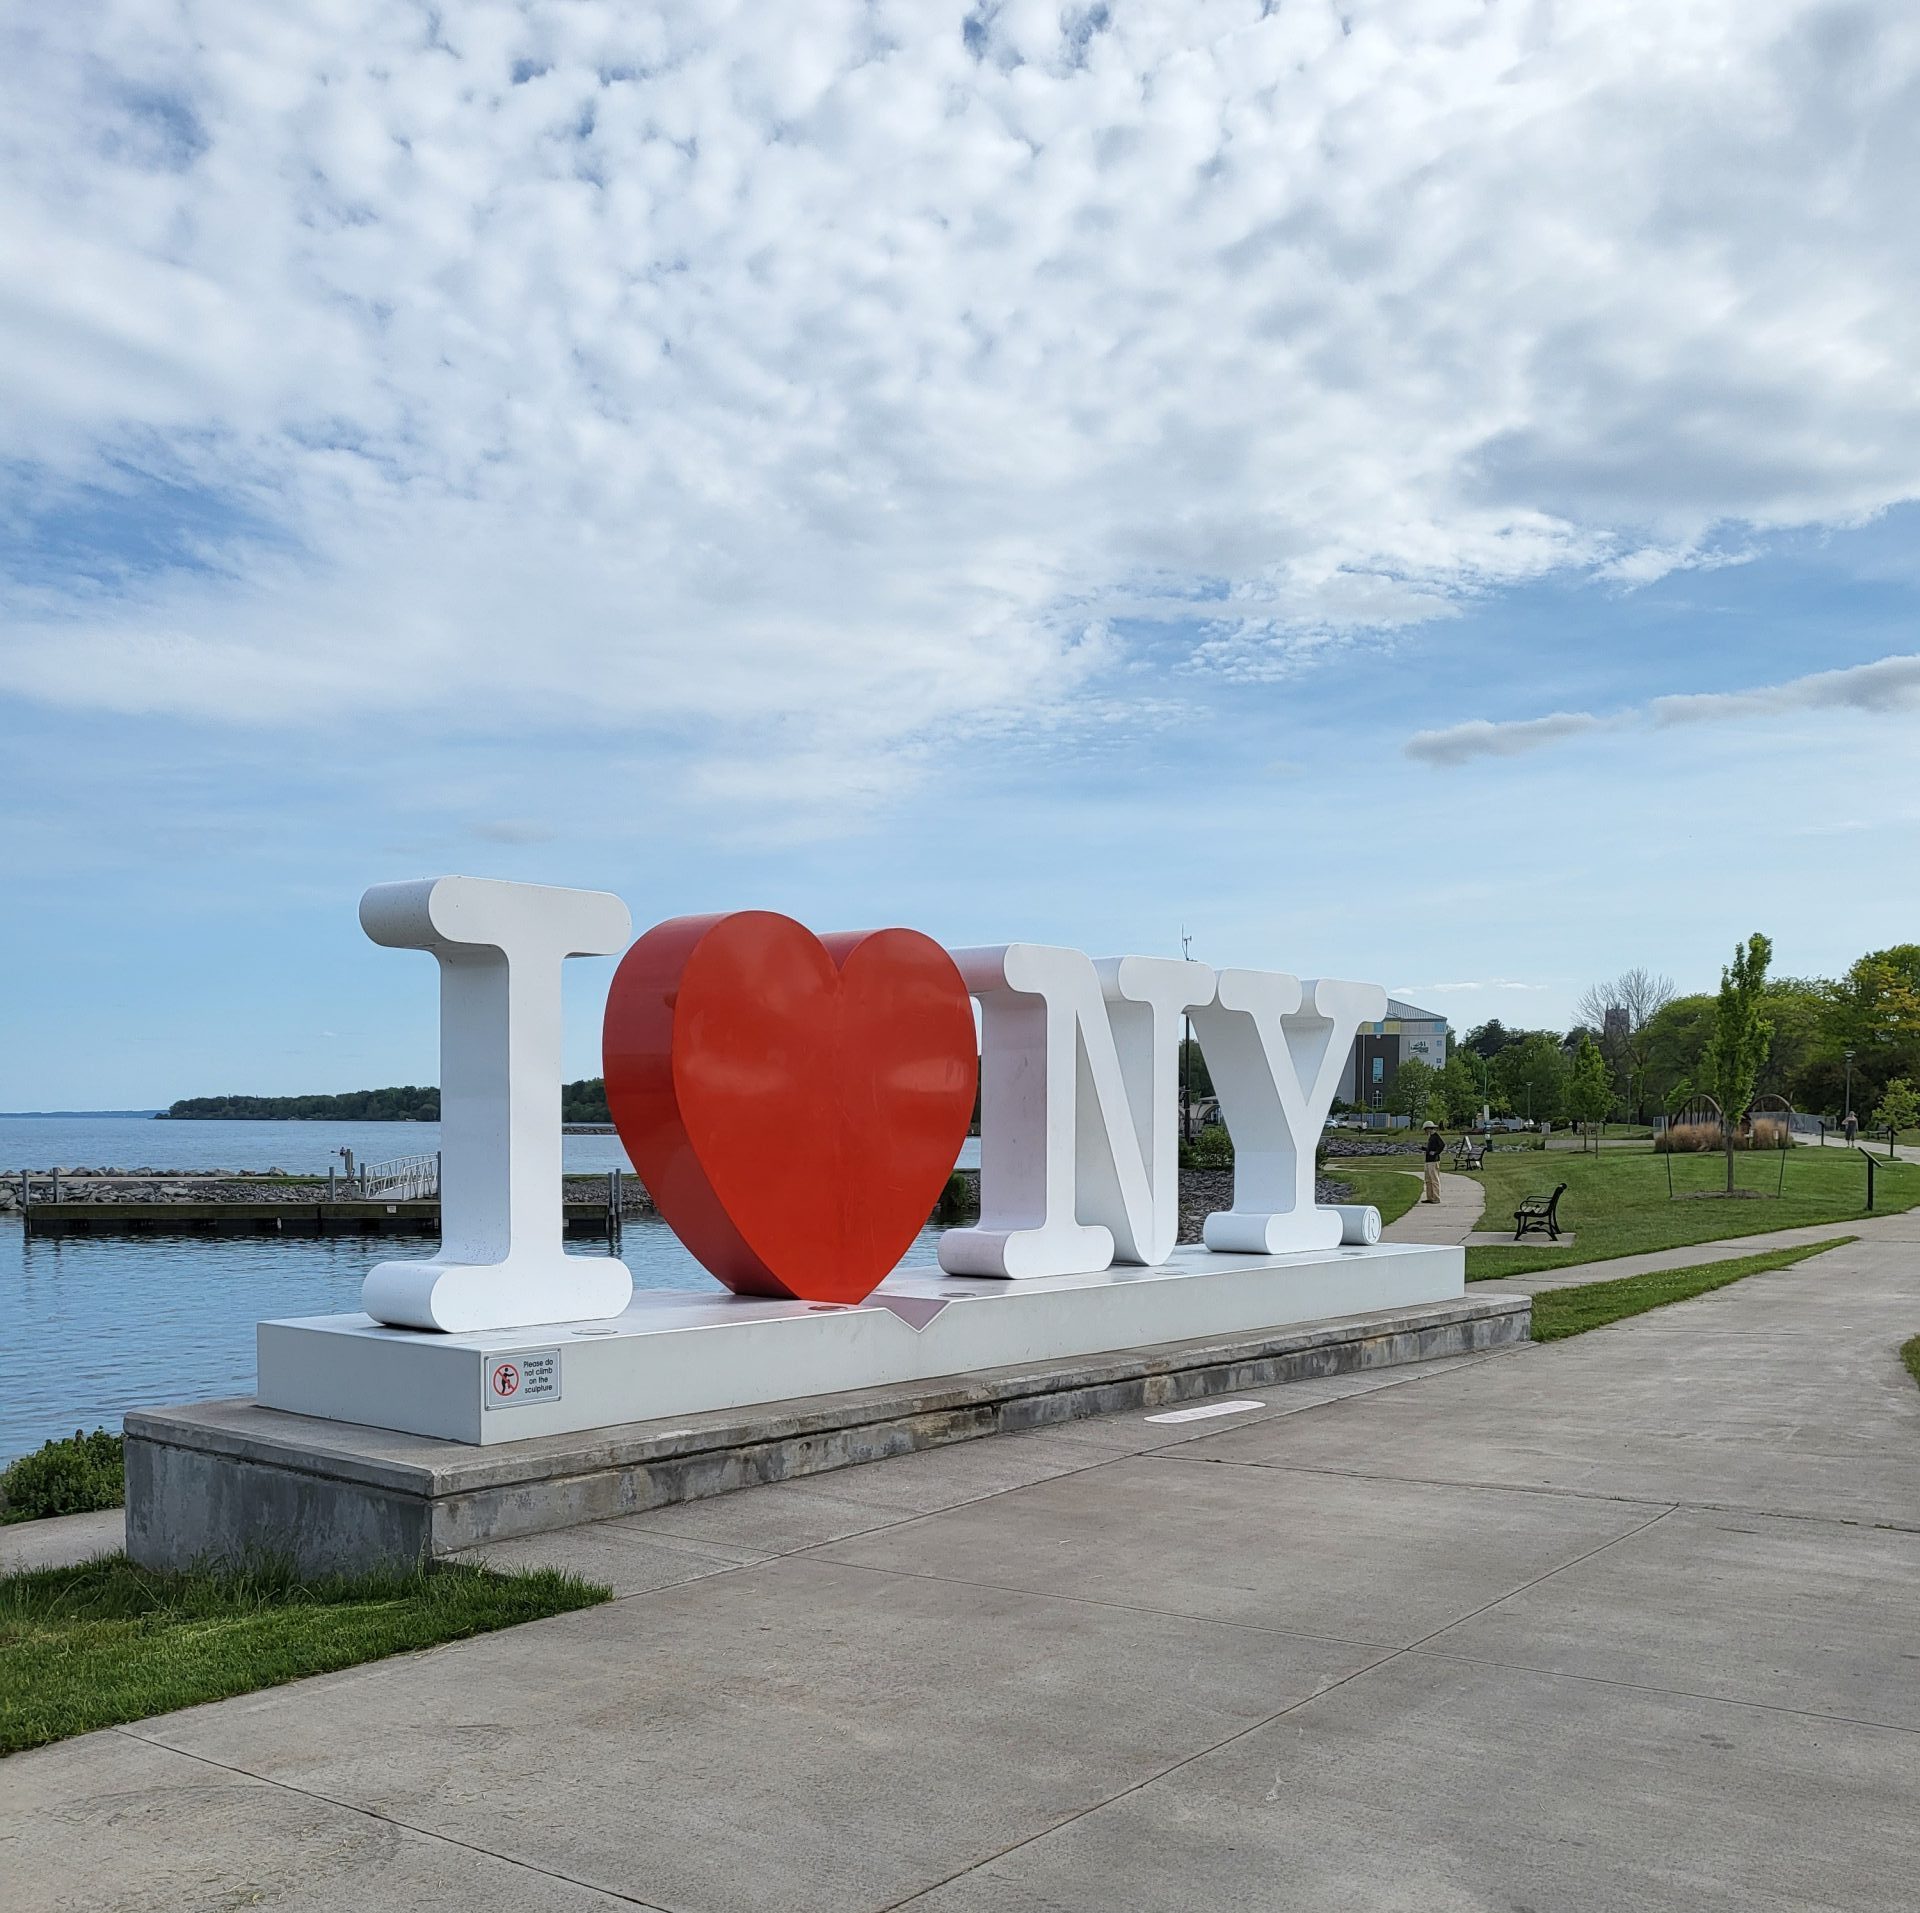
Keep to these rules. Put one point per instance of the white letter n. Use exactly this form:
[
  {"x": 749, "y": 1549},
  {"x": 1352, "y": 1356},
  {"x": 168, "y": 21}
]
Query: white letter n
[{"x": 1078, "y": 1146}]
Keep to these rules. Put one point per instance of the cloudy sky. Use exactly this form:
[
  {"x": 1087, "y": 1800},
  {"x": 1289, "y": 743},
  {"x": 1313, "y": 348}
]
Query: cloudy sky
[{"x": 1415, "y": 489}]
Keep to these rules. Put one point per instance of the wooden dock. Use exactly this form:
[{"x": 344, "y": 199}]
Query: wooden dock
[{"x": 338, "y": 1217}]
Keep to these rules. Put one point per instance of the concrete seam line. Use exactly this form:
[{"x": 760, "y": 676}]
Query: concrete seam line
[
  {"x": 1204, "y": 1753},
  {"x": 1416, "y": 1481},
  {"x": 1487, "y": 1606},
  {"x": 1149, "y": 1780},
  {"x": 1256, "y": 1727},
  {"x": 667, "y": 1587},
  {"x": 1647, "y": 1687},
  {"x": 387, "y": 1819},
  {"x": 1088, "y": 1600},
  {"x": 906, "y": 1517},
  {"x": 1877, "y": 1523}
]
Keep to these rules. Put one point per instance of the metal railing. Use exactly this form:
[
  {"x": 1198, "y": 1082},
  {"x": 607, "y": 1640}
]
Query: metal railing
[{"x": 401, "y": 1179}]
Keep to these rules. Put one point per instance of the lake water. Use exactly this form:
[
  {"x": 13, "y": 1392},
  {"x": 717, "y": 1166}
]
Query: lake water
[{"x": 91, "y": 1326}]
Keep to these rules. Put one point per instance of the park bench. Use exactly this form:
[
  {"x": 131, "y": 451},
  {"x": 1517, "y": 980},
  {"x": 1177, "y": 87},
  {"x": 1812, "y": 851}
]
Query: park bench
[
  {"x": 1468, "y": 1155},
  {"x": 1539, "y": 1212}
]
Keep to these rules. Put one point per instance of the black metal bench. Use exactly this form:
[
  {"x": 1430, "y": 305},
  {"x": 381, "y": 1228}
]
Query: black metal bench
[
  {"x": 1466, "y": 1155},
  {"x": 1539, "y": 1212}
]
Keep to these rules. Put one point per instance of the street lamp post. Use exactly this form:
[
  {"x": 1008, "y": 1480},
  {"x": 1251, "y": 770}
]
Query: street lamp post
[{"x": 1849, "y": 1108}]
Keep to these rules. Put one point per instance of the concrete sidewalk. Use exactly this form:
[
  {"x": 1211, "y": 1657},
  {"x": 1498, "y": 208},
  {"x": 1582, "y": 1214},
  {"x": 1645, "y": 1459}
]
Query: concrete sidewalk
[
  {"x": 1448, "y": 1220},
  {"x": 1903, "y": 1151},
  {"x": 1889, "y": 1229},
  {"x": 1623, "y": 1622},
  {"x": 61, "y": 1540}
]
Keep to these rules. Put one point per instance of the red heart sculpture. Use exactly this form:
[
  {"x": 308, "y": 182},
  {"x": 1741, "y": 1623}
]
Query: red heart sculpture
[{"x": 794, "y": 1104}]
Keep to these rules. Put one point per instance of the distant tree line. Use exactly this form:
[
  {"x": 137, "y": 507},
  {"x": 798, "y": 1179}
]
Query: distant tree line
[
  {"x": 1638, "y": 1049},
  {"x": 584, "y": 1101},
  {"x": 581, "y": 1102}
]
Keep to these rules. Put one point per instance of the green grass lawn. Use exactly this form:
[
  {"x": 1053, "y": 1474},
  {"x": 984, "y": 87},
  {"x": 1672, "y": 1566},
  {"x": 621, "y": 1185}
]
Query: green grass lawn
[
  {"x": 91, "y": 1646},
  {"x": 1616, "y": 1202},
  {"x": 1910, "y": 1354},
  {"x": 1392, "y": 1191},
  {"x": 1561, "y": 1312}
]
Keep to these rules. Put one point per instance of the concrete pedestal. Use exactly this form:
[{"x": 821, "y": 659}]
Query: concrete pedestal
[
  {"x": 221, "y": 1480},
  {"x": 689, "y": 1352}
]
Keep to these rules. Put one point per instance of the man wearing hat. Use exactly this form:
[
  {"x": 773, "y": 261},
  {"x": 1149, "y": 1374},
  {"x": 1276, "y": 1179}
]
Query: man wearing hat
[{"x": 1436, "y": 1147}]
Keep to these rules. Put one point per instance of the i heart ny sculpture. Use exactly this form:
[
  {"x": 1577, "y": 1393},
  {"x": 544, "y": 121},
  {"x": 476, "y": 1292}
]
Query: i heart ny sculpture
[{"x": 794, "y": 1104}]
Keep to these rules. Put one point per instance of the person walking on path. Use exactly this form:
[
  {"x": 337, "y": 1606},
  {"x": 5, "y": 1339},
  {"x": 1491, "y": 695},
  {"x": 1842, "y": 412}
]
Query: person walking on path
[
  {"x": 1852, "y": 1127},
  {"x": 1436, "y": 1148}
]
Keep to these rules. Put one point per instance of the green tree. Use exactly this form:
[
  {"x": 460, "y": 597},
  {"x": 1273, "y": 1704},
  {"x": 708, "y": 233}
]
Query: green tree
[
  {"x": 1874, "y": 1010},
  {"x": 1488, "y": 1039},
  {"x": 1193, "y": 1058},
  {"x": 1412, "y": 1089},
  {"x": 1742, "y": 1034},
  {"x": 1899, "y": 1106},
  {"x": 1461, "y": 1090},
  {"x": 584, "y": 1101},
  {"x": 1531, "y": 1076},
  {"x": 1796, "y": 1007},
  {"x": 1589, "y": 1084},
  {"x": 1676, "y": 1046}
]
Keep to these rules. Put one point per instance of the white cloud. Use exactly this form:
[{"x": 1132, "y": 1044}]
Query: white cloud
[
  {"x": 1880, "y": 688},
  {"x": 1480, "y": 737},
  {"x": 799, "y": 385},
  {"x": 1884, "y": 686}
]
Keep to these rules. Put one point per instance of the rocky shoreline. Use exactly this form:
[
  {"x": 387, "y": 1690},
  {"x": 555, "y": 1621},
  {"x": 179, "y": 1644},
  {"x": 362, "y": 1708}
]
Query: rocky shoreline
[
  {"x": 1201, "y": 1191},
  {"x": 266, "y": 1186}
]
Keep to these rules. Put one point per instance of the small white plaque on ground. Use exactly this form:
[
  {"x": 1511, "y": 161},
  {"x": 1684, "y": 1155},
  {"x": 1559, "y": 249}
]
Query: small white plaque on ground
[
  {"x": 526, "y": 1375},
  {"x": 1206, "y": 1411}
]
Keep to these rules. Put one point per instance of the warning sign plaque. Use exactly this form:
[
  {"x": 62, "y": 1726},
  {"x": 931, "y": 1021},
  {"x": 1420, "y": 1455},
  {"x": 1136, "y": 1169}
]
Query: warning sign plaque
[{"x": 526, "y": 1375}]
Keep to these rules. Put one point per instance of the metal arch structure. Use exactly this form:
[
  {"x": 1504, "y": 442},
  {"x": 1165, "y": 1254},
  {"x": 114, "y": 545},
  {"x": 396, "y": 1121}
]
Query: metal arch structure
[
  {"x": 1699, "y": 1108},
  {"x": 1778, "y": 1111}
]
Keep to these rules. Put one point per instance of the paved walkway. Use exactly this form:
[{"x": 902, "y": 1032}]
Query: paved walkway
[
  {"x": 1869, "y": 1229},
  {"x": 1903, "y": 1151},
  {"x": 1623, "y": 1622},
  {"x": 1448, "y": 1220},
  {"x": 61, "y": 1541}
]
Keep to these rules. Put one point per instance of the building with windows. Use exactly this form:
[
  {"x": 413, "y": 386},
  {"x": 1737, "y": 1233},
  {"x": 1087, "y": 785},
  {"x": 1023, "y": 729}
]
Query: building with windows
[{"x": 1380, "y": 1048}]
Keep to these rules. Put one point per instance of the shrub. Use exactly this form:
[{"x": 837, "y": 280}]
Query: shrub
[
  {"x": 1680, "y": 1138},
  {"x": 1765, "y": 1132},
  {"x": 1211, "y": 1149},
  {"x": 65, "y": 1477},
  {"x": 959, "y": 1199},
  {"x": 1899, "y": 1106}
]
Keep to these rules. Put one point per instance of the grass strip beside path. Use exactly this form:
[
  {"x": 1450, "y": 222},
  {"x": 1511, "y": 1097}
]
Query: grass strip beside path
[
  {"x": 1616, "y": 1202},
  {"x": 91, "y": 1646},
  {"x": 1558, "y": 1313},
  {"x": 1910, "y": 1354},
  {"x": 1392, "y": 1191}
]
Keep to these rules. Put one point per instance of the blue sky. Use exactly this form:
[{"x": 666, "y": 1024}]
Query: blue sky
[{"x": 1011, "y": 474}]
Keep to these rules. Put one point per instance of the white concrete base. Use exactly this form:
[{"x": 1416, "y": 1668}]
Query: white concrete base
[{"x": 688, "y": 1352}]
